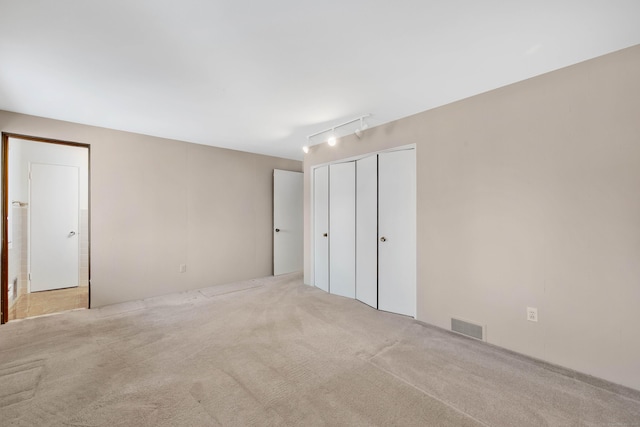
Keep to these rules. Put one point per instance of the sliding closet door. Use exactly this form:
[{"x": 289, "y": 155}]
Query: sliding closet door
[
  {"x": 321, "y": 227},
  {"x": 342, "y": 229},
  {"x": 367, "y": 230},
  {"x": 397, "y": 232}
]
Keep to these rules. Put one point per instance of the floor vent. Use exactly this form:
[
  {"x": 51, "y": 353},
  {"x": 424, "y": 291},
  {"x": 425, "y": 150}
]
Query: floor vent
[{"x": 469, "y": 329}]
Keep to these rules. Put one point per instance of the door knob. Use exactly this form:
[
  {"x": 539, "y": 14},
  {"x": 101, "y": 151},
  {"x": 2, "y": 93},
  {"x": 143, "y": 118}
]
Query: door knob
[
  {"x": 71, "y": 234},
  {"x": 277, "y": 230},
  {"x": 325, "y": 234},
  {"x": 383, "y": 239}
]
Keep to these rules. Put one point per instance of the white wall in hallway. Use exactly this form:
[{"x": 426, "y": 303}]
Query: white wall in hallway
[{"x": 23, "y": 152}]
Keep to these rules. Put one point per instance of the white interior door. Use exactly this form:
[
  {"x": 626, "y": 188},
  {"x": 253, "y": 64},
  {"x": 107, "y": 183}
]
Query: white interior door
[
  {"x": 287, "y": 222},
  {"x": 397, "y": 232},
  {"x": 321, "y": 227},
  {"x": 342, "y": 229},
  {"x": 53, "y": 227},
  {"x": 367, "y": 230}
]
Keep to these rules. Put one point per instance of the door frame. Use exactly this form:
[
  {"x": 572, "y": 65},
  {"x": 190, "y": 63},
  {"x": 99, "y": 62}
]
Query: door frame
[
  {"x": 312, "y": 168},
  {"x": 4, "y": 272}
]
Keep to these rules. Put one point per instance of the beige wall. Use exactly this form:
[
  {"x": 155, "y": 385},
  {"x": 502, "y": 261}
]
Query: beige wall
[
  {"x": 529, "y": 195},
  {"x": 158, "y": 203}
]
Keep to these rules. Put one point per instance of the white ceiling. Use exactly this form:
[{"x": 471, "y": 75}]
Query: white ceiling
[{"x": 260, "y": 76}]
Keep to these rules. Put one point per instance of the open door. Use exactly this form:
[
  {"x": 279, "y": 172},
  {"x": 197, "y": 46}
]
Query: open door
[{"x": 287, "y": 222}]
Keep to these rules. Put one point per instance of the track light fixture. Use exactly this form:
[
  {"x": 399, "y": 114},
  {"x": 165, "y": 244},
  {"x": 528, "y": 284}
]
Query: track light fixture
[
  {"x": 363, "y": 126},
  {"x": 332, "y": 140}
]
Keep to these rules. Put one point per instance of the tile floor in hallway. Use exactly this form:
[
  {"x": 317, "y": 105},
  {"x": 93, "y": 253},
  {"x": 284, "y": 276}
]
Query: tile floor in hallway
[{"x": 47, "y": 302}]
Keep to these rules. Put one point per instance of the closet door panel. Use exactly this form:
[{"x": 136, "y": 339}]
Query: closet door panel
[
  {"x": 367, "y": 230},
  {"x": 342, "y": 229},
  {"x": 321, "y": 227},
  {"x": 397, "y": 232}
]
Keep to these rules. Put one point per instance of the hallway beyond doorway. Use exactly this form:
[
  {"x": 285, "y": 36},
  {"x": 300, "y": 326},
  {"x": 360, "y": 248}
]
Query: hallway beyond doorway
[{"x": 48, "y": 302}]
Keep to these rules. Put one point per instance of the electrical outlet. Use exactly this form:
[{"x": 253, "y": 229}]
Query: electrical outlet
[
  {"x": 183, "y": 268},
  {"x": 532, "y": 314}
]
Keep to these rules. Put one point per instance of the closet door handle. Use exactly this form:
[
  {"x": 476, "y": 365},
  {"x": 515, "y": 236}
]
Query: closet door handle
[
  {"x": 325, "y": 235},
  {"x": 383, "y": 239},
  {"x": 277, "y": 230}
]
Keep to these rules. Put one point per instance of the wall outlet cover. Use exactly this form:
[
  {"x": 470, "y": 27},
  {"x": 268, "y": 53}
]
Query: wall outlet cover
[{"x": 532, "y": 314}]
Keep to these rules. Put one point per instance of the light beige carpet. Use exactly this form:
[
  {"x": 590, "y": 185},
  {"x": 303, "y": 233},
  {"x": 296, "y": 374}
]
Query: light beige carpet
[{"x": 276, "y": 352}]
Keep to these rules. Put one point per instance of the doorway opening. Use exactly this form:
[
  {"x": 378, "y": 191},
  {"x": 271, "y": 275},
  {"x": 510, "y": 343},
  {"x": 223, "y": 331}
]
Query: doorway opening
[{"x": 45, "y": 226}]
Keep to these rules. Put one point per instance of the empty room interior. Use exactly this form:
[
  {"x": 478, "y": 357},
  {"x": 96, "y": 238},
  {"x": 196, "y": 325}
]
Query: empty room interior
[{"x": 320, "y": 213}]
